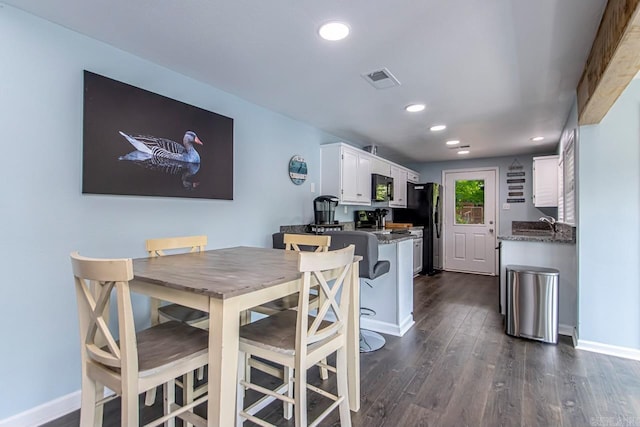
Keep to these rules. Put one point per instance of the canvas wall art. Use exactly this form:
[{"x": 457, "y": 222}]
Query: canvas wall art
[{"x": 137, "y": 142}]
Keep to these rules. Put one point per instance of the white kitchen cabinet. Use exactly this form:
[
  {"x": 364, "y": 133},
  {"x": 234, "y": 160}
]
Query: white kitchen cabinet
[
  {"x": 399, "y": 176},
  {"x": 380, "y": 166},
  {"x": 545, "y": 181},
  {"x": 413, "y": 176},
  {"x": 346, "y": 174}
]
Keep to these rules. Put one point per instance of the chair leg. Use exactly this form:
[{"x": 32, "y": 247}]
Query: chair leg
[
  {"x": 324, "y": 373},
  {"x": 243, "y": 367},
  {"x": 100, "y": 408},
  {"x": 129, "y": 405},
  {"x": 188, "y": 385},
  {"x": 288, "y": 379},
  {"x": 150, "y": 397},
  {"x": 88, "y": 411},
  {"x": 247, "y": 369},
  {"x": 300, "y": 395},
  {"x": 343, "y": 386},
  {"x": 169, "y": 398}
]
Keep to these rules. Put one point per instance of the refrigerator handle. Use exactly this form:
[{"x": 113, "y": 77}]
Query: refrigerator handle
[{"x": 436, "y": 217}]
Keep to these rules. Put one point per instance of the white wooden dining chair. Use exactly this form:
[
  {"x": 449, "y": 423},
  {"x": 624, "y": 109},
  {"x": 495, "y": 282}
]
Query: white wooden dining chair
[
  {"x": 176, "y": 312},
  {"x": 297, "y": 341},
  {"x": 180, "y": 313},
  {"x": 296, "y": 242},
  {"x": 293, "y": 242},
  {"x": 129, "y": 362}
]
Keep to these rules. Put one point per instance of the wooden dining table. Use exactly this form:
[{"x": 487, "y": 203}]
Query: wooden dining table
[{"x": 225, "y": 283}]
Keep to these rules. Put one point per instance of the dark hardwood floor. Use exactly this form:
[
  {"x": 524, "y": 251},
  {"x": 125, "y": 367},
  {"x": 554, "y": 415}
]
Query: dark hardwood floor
[{"x": 456, "y": 367}]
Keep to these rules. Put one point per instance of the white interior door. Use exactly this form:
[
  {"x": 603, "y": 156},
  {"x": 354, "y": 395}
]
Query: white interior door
[{"x": 470, "y": 221}]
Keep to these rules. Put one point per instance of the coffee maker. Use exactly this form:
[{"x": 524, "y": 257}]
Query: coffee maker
[{"x": 324, "y": 209}]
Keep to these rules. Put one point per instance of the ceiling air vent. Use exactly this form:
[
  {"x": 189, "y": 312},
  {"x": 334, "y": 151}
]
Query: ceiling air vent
[{"x": 381, "y": 79}]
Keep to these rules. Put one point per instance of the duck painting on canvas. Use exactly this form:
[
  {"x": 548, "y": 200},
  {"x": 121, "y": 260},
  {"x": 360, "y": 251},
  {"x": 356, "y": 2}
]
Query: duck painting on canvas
[{"x": 169, "y": 157}]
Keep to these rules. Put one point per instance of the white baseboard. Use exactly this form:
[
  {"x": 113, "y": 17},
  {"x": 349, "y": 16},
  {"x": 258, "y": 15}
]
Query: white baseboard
[
  {"x": 386, "y": 327},
  {"x": 44, "y": 413},
  {"x": 611, "y": 350},
  {"x": 406, "y": 324}
]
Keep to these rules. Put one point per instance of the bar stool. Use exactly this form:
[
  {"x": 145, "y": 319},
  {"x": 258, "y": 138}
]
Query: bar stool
[{"x": 370, "y": 268}]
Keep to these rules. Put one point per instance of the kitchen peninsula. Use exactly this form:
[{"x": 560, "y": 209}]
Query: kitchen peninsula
[{"x": 387, "y": 300}]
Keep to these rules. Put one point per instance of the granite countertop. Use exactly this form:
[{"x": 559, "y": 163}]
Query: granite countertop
[
  {"x": 536, "y": 231},
  {"x": 388, "y": 230},
  {"x": 385, "y": 239},
  {"x": 384, "y": 235}
]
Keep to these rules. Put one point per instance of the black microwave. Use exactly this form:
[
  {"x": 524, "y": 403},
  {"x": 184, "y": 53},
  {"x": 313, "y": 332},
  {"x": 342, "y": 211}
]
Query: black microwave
[{"x": 381, "y": 188}]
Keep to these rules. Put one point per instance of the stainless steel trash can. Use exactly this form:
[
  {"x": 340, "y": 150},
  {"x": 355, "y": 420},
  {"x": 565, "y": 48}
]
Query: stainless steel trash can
[{"x": 532, "y": 303}]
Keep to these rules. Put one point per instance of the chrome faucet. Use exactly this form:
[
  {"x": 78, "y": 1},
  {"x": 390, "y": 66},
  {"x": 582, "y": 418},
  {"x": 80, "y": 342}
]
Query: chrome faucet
[{"x": 551, "y": 221}]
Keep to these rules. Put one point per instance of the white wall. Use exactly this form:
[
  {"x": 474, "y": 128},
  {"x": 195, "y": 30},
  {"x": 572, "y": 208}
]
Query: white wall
[
  {"x": 432, "y": 172},
  {"x": 609, "y": 231},
  {"x": 44, "y": 216}
]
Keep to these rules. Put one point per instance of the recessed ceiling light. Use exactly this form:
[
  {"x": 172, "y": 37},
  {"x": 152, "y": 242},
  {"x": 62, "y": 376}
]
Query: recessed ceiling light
[
  {"x": 334, "y": 31},
  {"x": 415, "y": 108},
  {"x": 437, "y": 128},
  {"x": 537, "y": 138},
  {"x": 463, "y": 152},
  {"x": 453, "y": 142}
]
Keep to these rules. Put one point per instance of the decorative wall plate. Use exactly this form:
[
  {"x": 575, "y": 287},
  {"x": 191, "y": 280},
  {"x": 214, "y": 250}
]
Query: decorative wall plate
[{"x": 297, "y": 170}]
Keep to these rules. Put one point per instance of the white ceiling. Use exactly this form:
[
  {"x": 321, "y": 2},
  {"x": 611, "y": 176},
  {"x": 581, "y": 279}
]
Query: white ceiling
[{"x": 496, "y": 72}]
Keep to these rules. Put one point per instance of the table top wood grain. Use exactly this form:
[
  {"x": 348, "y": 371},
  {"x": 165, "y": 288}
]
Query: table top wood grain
[{"x": 220, "y": 273}]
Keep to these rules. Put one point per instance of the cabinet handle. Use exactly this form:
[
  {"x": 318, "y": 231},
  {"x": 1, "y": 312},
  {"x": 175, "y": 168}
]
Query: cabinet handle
[{"x": 359, "y": 194}]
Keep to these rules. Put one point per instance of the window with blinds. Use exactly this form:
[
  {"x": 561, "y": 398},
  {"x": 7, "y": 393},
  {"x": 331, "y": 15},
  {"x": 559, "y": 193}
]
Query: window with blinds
[
  {"x": 561, "y": 189},
  {"x": 566, "y": 182}
]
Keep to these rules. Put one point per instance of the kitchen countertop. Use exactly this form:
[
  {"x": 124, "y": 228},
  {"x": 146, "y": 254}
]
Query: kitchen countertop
[
  {"x": 385, "y": 235},
  {"x": 388, "y": 230},
  {"x": 385, "y": 239},
  {"x": 535, "y": 231},
  {"x": 533, "y": 237}
]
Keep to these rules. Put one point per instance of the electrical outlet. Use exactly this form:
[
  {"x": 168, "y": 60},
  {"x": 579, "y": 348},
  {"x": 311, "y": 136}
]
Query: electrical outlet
[
  {"x": 345, "y": 210},
  {"x": 506, "y": 206},
  {"x": 313, "y": 187}
]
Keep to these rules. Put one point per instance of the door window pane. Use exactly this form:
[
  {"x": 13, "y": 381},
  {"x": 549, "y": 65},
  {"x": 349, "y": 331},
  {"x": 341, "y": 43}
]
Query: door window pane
[{"x": 470, "y": 201}]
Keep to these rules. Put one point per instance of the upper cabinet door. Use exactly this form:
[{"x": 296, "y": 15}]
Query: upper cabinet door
[
  {"x": 380, "y": 166},
  {"x": 399, "y": 176},
  {"x": 346, "y": 173},
  {"x": 364, "y": 179},
  {"x": 349, "y": 170}
]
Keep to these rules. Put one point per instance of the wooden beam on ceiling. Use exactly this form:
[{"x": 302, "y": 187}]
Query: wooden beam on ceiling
[{"x": 613, "y": 61}]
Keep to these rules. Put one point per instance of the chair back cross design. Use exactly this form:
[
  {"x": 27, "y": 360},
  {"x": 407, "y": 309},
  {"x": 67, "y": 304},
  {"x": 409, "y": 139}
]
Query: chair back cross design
[
  {"x": 334, "y": 298},
  {"x": 156, "y": 247},
  {"x": 94, "y": 283},
  {"x": 314, "y": 242}
]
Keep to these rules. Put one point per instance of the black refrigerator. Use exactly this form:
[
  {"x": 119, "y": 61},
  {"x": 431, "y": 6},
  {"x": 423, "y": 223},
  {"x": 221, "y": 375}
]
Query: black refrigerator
[{"x": 424, "y": 207}]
